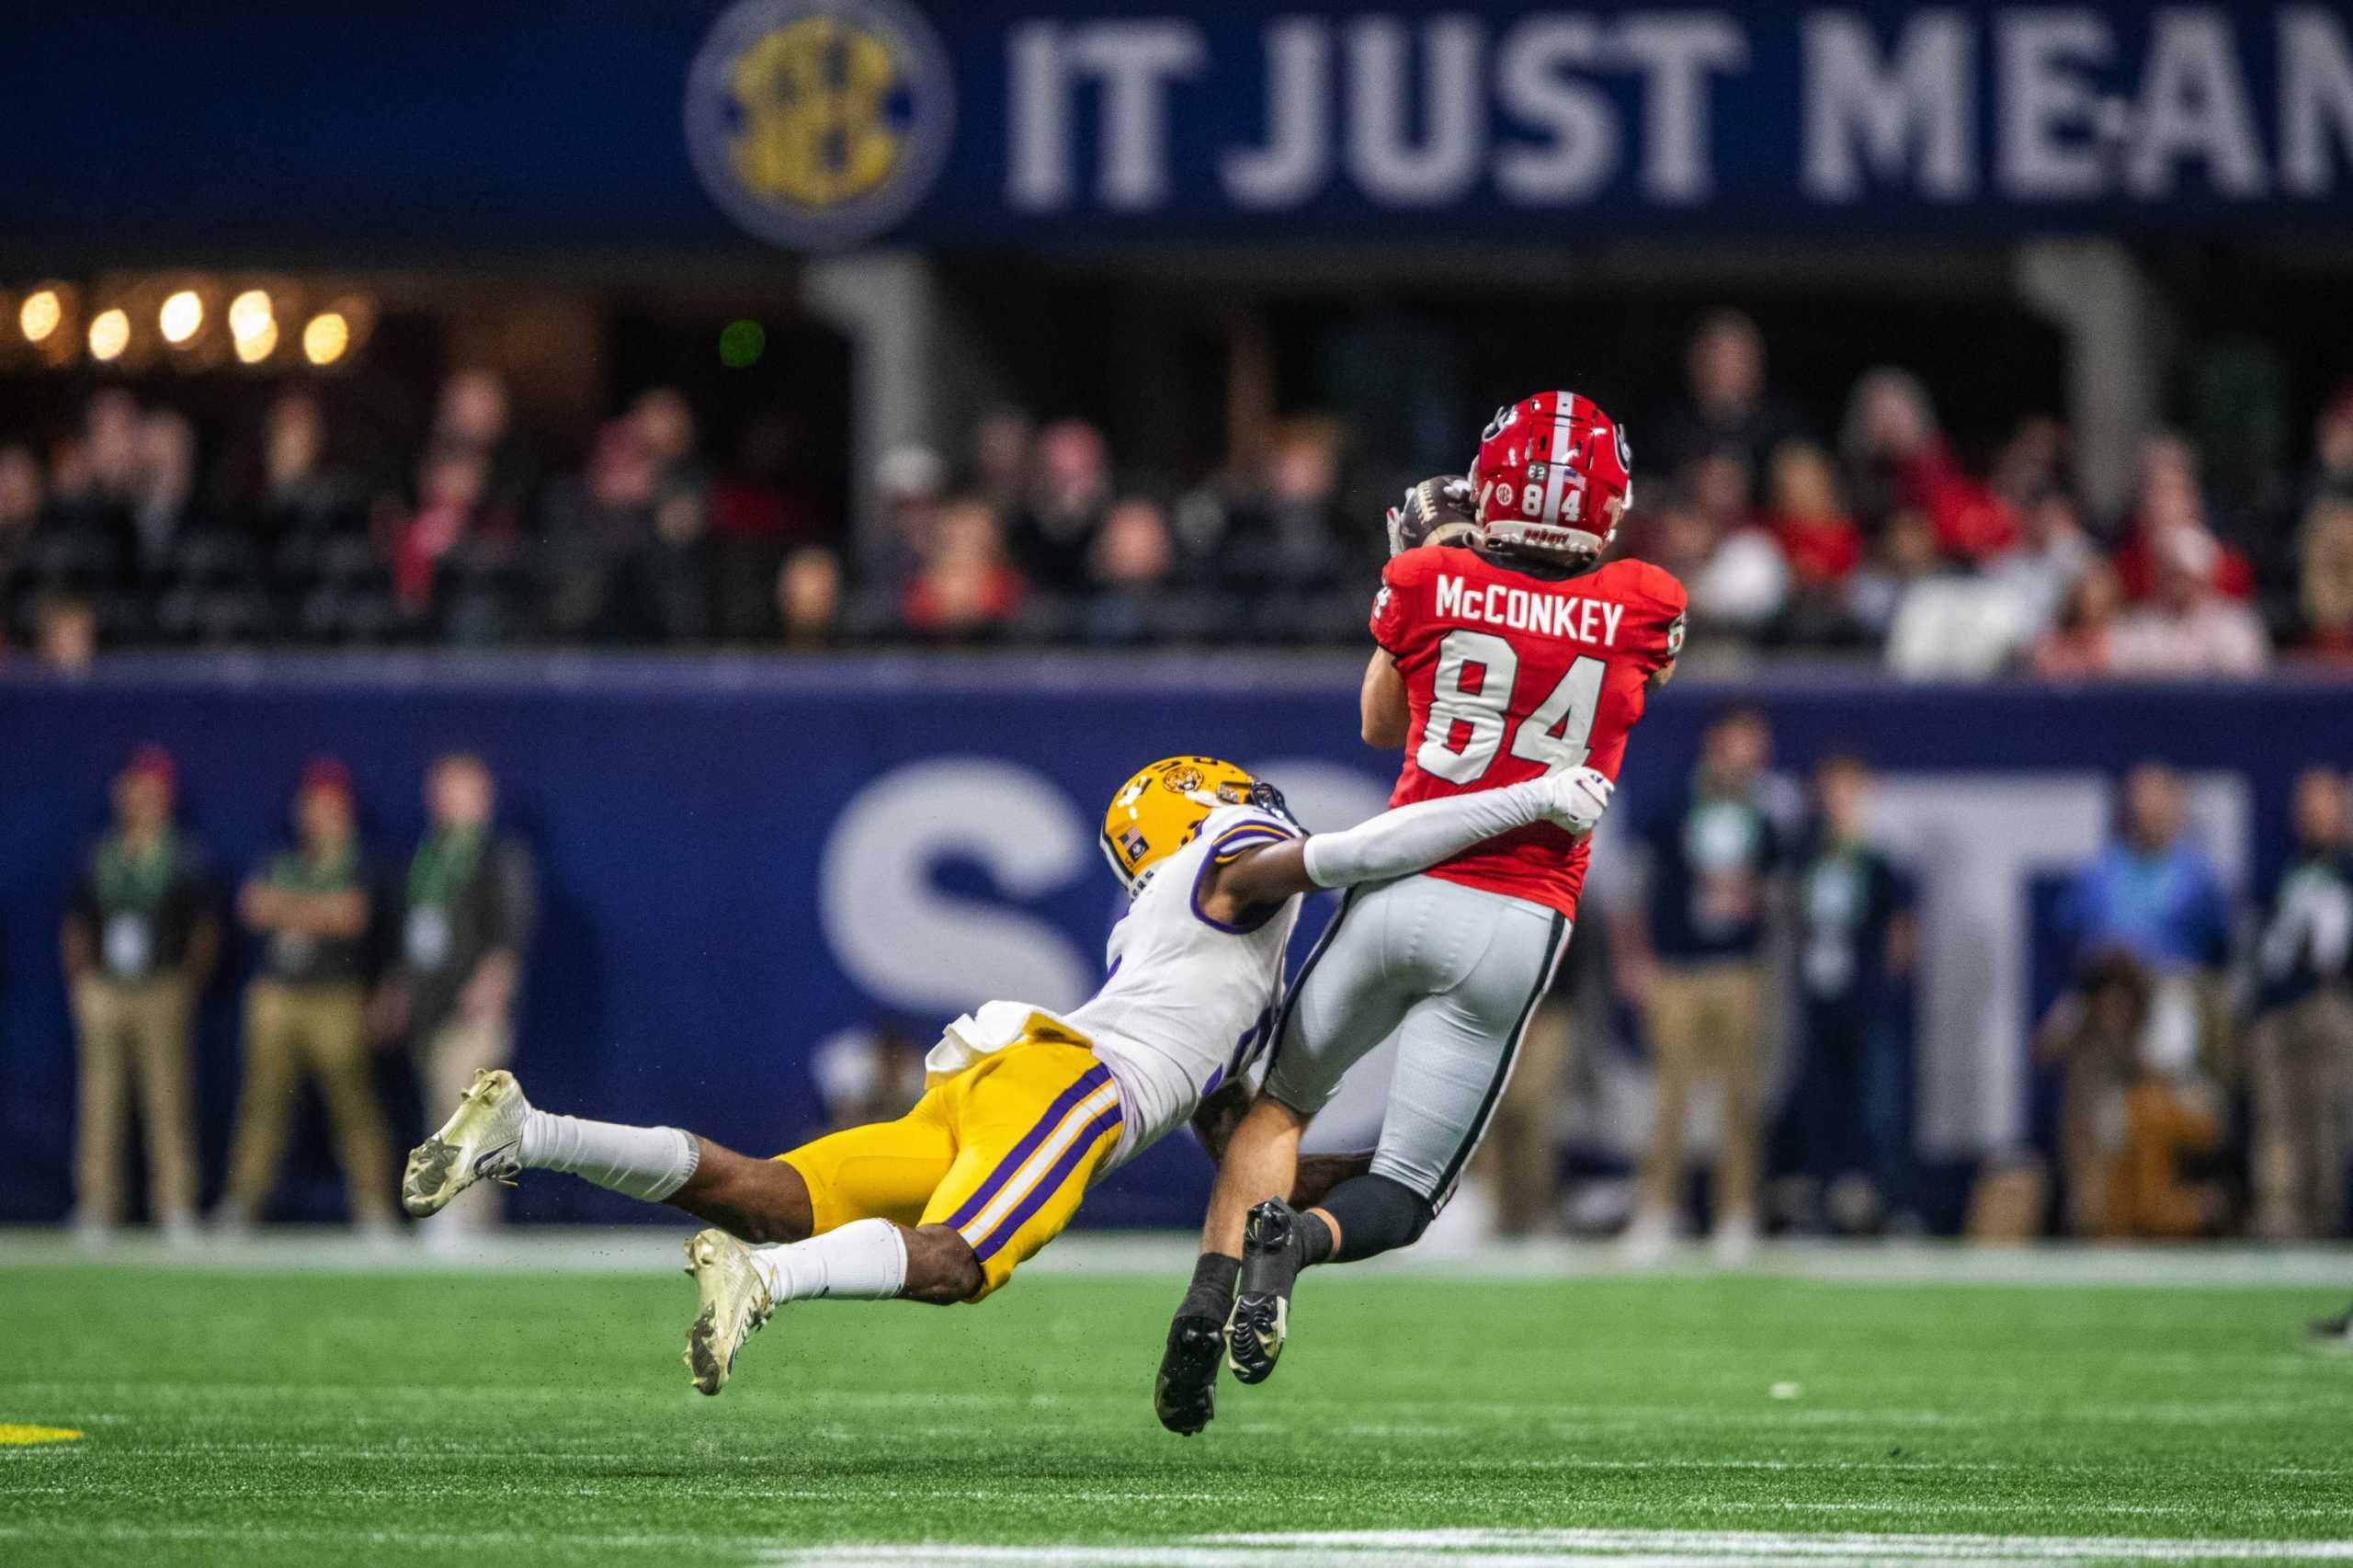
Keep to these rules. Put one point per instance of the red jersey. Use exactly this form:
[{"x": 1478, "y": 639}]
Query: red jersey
[{"x": 1511, "y": 675}]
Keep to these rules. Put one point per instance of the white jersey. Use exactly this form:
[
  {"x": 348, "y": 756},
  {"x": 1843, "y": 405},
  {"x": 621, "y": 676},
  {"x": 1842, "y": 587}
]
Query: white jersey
[{"x": 1189, "y": 1001}]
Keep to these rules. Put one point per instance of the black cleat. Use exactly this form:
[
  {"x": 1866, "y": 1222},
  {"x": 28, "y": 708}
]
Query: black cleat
[
  {"x": 1270, "y": 1262},
  {"x": 1185, "y": 1394},
  {"x": 2334, "y": 1335}
]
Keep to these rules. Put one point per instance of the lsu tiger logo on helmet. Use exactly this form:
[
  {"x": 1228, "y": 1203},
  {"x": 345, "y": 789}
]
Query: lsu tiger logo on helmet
[{"x": 1162, "y": 806}]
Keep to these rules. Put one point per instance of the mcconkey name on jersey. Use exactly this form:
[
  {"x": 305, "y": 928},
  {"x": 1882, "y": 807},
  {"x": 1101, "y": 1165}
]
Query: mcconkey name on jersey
[{"x": 1512, "y": 671}]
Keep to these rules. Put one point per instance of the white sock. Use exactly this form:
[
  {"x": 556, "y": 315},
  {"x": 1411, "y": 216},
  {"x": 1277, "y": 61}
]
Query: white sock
[
  {"x": 647, "y": 1162},
  {"x": 866, "y": 1260}
]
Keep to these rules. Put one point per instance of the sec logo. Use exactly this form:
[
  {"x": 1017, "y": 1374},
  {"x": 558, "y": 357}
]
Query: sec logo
[{"x": 817, "y": 123}]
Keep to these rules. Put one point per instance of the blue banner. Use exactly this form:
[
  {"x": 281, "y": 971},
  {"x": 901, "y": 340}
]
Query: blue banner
[
  {"x": 741, "y": 858},
  {"x": 817, "y": 123}
]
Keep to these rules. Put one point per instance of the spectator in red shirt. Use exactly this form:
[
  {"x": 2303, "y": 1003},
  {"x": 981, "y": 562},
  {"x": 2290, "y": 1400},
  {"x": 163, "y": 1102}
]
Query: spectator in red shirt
[
  {"x": 1808, "y": 516},
  {"x": 449, "y": 500},
  {"x": 1893, "y": 447},
  {"x": 964, "y": 586},
  {"x": 2189, "y": 629},
  {"x": 750, "y": 499},
  {"x": 2170, "y": 503}
]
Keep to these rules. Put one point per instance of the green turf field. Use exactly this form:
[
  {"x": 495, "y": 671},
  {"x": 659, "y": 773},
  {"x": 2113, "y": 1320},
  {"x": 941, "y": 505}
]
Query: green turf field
[{"x": 302, "y": 1418}]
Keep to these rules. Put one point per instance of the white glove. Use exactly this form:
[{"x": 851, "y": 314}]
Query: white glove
[
  {"x": 1412, "y": 838},
  {"x": 1576, "y": 798}
]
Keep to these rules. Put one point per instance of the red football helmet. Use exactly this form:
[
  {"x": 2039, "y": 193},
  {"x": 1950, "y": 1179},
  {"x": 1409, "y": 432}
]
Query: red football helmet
[{"x": 1553, "y": 476}]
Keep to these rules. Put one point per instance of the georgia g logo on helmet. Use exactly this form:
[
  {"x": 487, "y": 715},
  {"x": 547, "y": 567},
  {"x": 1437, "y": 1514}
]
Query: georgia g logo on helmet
[{"x": 1553, "y": 477}]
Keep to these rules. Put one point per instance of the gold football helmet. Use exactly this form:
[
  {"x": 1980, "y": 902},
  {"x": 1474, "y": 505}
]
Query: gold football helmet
[{"x": 1157, "y": 812}]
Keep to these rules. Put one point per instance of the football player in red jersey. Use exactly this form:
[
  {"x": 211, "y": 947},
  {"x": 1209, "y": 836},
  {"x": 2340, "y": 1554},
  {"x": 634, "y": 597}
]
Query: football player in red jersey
[{"x": 1507, "y": 651}]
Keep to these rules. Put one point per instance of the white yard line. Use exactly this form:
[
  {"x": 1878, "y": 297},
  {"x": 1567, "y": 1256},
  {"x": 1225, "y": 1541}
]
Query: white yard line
[
  {"x": 1335, "y": 1549},
  {"x": 1982, "y": 1547},
  {"x": 1528, "y": 1549}
]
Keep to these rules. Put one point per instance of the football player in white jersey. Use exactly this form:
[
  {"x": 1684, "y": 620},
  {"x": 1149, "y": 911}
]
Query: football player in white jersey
[{"x": 1025, "y": 1109}]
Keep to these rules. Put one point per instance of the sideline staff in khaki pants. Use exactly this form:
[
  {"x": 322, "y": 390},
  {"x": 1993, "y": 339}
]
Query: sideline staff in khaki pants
[
  {"x": 138, "y": 944},
  {"x": 1702, "y": 1020},
  {"x": 1695, "y": 967},
  {"x": 306, "y": 1011},
  {"x": 2301, "y": 1044},
  {"x": 465, "y": 919}
]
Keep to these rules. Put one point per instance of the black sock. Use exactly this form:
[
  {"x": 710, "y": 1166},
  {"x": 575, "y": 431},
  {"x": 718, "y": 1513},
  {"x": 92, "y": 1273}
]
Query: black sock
[
  {"x": 1375, "y": 1214},
  {"x": 1211, "y": 1295},
  {"x": 1315, "y": 1238}
]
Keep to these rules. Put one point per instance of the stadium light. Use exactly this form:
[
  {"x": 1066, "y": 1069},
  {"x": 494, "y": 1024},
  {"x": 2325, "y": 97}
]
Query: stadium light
[
  {"x": 181, "y": 317},
  {"x": 40, "y": 314},
  {"x": 326, "y": 337},
  {"x": 255, "y": 346},
  {"x": 110, "y": 333},
  {"x": 250, "y": 315}
]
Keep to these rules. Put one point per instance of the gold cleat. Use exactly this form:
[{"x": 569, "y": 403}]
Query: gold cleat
[
  {"x": 482, "y": 1141},
  {"x": 732, "y": 1304}
]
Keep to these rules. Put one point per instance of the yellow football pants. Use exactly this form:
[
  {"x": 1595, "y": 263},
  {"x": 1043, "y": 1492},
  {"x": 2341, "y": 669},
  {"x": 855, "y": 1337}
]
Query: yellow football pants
[{"x": 1002, "y": 1151}]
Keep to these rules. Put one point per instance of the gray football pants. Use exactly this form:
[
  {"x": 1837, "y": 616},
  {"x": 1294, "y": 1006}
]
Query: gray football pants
[{"x": 1453, "y": 972}]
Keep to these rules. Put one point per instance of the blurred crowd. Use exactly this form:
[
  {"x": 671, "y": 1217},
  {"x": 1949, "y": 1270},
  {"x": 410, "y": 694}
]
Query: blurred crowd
[
  {"x": 1876, "y": 539},
  {"x": 126, "y": 533},
  {"x": 1882, "y": 539}
]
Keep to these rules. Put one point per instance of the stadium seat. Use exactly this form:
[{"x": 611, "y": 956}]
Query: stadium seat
[
  {"x": 73, "y": 556},
  {"x": 212, "y": 556},
  {"x": 348, "y": 560},
  {"x": 348, "y": 615}
]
